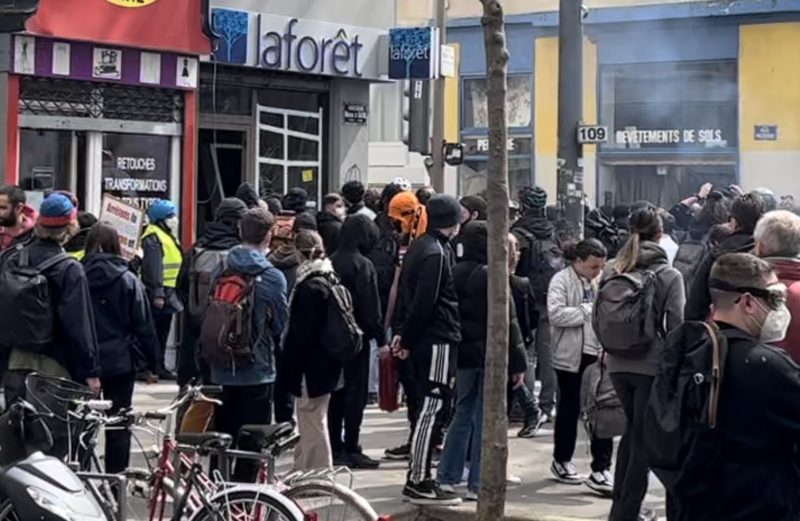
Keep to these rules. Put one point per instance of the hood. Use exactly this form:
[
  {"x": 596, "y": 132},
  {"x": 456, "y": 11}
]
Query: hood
[
  {"x": 739, "y": 242},
  {"x": 473, "y": 238},
  {"x": 78, "y": 242},
  {"x": 651, "y": 253},
  {"x": 354, "y": 208},
  {"x": 219, "y": 236},
  {"x": 358, "y": 233},
  {"x": 103, "y": 269},
  {"x": 538, "y": 225},
  {"x": 405, "y": 207},
  {"x": 787, "y": 269},
  {"x": 247, "y": 195},
  {"x": 595, "y": 220},
  {"x": 325, "y": 217},
  {"x": 285, "y": 256},
  {"x": 248, "y": 260}
]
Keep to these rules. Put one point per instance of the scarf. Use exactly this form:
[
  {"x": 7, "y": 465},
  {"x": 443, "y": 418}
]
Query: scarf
[{"x": 310, "y": 269}]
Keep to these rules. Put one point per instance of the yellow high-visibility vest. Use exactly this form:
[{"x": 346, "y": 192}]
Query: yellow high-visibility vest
[
  {"x": 77, "y": 255},
  {"x": 173, "y": 257}
]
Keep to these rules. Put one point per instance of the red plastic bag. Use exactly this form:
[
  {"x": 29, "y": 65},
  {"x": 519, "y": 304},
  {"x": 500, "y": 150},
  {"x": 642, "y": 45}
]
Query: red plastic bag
[{"x": 389, "y": 379}]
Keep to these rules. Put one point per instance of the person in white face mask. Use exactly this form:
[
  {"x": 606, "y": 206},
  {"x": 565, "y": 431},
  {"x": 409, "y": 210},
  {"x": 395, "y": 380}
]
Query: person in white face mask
[
  {"x": 161, "y": 263},
  {"x": 745, "y": 467}
]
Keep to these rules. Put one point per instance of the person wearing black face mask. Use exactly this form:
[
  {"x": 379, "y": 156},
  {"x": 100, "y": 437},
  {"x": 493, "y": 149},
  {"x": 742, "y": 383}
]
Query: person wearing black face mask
[{"x": 745, "y": 468}]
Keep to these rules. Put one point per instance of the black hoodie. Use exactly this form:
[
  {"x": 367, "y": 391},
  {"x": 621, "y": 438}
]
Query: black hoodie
[
  {"x": 358, "y": 237},
  {"x": 471, "y": 279},
  {"x": 286, "y": 258},
  {"x": 125, "y": 330},
  {"x": 329, "y": 226}
]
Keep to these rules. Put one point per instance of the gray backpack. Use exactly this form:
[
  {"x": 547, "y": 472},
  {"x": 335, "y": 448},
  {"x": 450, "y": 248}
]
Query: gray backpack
[
  {"x": 625, "y": 318},
  {"x": 601, "y": 409},
  {"x": 204, "y": 264}
]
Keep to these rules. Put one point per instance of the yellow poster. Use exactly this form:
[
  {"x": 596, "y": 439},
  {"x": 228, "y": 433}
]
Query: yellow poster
[{"x": 308, "y": 176}]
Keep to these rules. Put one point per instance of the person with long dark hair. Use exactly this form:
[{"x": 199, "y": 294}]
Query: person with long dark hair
[
  {"x": 570, "y": 302},
  {"x": 125, "y": 330},
  {"x": 632, "y": 374}
]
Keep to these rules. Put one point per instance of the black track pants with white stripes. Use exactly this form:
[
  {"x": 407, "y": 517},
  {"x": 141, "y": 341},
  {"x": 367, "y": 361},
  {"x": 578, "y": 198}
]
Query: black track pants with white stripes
[{"x": 434, "y": 373}]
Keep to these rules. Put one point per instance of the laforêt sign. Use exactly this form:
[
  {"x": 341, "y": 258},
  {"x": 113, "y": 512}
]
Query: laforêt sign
[{"x": 311, "y": 47}]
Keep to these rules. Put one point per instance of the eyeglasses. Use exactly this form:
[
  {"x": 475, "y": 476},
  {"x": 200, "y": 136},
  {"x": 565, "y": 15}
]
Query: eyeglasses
[{"x": 774, "y": 294}]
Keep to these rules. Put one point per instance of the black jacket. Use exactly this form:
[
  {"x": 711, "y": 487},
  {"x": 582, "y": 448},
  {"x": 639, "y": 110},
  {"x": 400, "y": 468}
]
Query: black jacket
[
  {"x": 525, "y": 306},
  {"x": 304, "y": 356},
  {"x": 75, "y": 347},
  {"x": 286, "y": 258},
  {"x": 125, "y": 330},
  {"x": 542, "y": 230},
  {"x": 745, "y": 469},
  {"x": 471, "y": 278},
  {"x": 78, "y": 243},
  {"x": 428, "y": 304},
  {"x": 385, "y": 256},
  {"x": 359, "y": 235},
  {"x": 698, "y": 302},
  {"x": 329, "y": 226}
]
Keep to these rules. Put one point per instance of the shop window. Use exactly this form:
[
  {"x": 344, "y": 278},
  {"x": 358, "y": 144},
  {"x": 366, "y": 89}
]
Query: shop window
[
  {"x": 303, "y": 149},
  {"x": 270, "y": 179},
  {"x": 270, "y": 145},
  {"x": 136, "y": 167},
  {"x": 45, "y": 159},
  {"x": 225, "y": 99},
  {"x": 472, "y": 175},
  {"x": 290, "y": 99},
  {"x": 518, "y": 103}
]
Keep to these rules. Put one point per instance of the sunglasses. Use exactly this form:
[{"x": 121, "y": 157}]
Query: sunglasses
[{"x": 774, "y": 294}]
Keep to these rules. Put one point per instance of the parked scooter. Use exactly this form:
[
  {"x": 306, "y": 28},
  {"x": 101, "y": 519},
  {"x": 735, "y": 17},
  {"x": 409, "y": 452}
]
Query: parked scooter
[{"x": 33, "y": 485}]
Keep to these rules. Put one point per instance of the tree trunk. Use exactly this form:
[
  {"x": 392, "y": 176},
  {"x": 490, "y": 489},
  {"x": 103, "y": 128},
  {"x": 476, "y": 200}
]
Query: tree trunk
[{"x": 494, "y": 449}]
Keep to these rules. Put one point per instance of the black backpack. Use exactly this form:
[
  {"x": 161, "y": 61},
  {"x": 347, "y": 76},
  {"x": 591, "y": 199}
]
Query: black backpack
[
  {"x": 542, "y": 258},
  {"x": 688, "y": 260},
  {"x": 625, "y": 318},
  {"x": 685, "y": 394},
  {"x": 341, "y": 336},
  {"x": 28, "y": 320}
]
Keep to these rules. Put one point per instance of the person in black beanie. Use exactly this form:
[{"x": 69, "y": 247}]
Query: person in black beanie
[{"x": 428, "y": 330}]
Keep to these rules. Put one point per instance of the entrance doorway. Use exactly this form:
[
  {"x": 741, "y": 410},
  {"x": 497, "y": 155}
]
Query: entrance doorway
[
  {"x": 221, "y": 170},
  {"x": 289, "y": 152}
]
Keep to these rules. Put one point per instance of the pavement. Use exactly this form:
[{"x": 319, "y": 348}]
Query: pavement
[{"x": 539, "y": 498}]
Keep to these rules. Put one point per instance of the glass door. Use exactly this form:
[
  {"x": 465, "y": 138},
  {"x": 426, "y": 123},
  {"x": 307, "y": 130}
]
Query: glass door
[{"x": 289, "y": 151}]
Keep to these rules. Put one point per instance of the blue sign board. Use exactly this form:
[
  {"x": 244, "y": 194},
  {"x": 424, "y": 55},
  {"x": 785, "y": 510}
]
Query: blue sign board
[
  {"x": 232, "y": 27},
  {"x": 766, "y": 133},
  {"x": 413, "y": 53}
]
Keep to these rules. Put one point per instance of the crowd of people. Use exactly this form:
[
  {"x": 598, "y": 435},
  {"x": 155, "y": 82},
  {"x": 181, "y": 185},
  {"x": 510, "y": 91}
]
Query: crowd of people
[{"x": 292, "y": 312}]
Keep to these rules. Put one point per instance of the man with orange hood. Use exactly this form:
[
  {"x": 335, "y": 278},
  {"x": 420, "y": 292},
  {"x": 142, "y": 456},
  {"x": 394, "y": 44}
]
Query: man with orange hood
[{"x": 16, "y": 217}]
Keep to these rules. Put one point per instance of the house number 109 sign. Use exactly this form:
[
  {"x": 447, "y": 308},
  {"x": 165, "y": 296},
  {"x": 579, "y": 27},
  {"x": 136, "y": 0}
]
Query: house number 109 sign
[{"x": 591, "y": 134}]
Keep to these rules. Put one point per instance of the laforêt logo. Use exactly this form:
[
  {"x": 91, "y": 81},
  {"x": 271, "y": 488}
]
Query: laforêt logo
[{"x": 132, "y": 3}]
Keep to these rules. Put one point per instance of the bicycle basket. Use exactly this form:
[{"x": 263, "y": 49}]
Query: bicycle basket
[{"x": 54, "y": 395}]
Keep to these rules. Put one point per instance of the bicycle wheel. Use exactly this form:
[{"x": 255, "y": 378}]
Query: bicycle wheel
[
  {"x": 246, "y": 505},
  {"x": 7, "y": 511},
  {"x": 330, "y": 500}
]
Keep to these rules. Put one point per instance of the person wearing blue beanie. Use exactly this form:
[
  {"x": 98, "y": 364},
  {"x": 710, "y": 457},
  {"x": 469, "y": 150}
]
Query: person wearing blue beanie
[{"x": 161, "y": 264}]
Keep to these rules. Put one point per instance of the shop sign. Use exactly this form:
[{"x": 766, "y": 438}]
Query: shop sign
[
  {"x": 414, "y": 53},
  {"x": 480, "y": 146},
  {"x": 127, "y": 219},
  {"x": 136, "y": 168},
  {"x": 688, "y": 136},
  {"x": 311, "y": 47},
  {"x": 448, "y": 59},
  {"x": 766, "y": 133},
  {"x": 355, "y": 113}
]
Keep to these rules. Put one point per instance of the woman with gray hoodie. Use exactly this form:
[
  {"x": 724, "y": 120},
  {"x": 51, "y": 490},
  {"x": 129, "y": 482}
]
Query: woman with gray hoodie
[
  {"x": 633, "y": 374},
  {"x": 570, "y": 301}
]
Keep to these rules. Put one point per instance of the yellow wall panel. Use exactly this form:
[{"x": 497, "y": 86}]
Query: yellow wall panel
[
  {"x": 769, "y": 85},
  {"x": 452, "y": 130}
]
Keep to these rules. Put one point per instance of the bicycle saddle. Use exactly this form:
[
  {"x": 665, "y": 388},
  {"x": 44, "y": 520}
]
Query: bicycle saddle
[
  {"x": 205, "y": 440},
  {"x": 266, "y": 435}
]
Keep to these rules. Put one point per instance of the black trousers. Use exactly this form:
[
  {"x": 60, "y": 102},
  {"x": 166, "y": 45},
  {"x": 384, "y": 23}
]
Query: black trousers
[
  {"x": 409, "y": 384},
  {"x": 434, "y": 374},
  {"x": 568, "y": 409},
  {"x": 283, "y": 400},
  {"x": 630, "y": 476},
  {"x": 163, "y": 323},
  {"x": 347, "y": 405},
  {"x": 244, "y": 405},
  {"x": 118, "y": 389}
]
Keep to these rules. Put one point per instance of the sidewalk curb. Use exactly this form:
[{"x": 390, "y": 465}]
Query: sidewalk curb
[{"x": 413, "y": 513}]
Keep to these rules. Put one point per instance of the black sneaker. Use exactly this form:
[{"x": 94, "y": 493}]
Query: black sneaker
[
  {"x": 359, "y": 460},
  {"x": 429, "y": 492},
  {"x": 532, "y": 426},
  {"x": 398, "y": 453},
  {"x": 372, "y": 399},
  {"x": 565, "y": 473}
]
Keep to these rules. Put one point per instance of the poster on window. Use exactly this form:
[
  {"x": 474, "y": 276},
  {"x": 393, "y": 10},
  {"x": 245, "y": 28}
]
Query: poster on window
[
  {"x": 127, "y": 220},
  {"x": 136, "y": 168}
]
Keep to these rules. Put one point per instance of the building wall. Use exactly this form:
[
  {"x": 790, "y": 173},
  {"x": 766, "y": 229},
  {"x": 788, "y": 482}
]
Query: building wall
[
  {"x": 769, "y": 90},
  {"x": 349, "y": 144},
  {"x": 360, "y": 13},
  {"x": 546, "y": 114}
]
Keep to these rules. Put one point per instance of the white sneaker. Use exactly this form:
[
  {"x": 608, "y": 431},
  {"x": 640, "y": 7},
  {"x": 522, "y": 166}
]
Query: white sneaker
[
  {"x": 471, "y": 496},
  {"x": 448, "y": 488},
  {"x": 601, "y": 482},
  {"x": 565, "y": 473},
  {"x": 513, "y": 481}
]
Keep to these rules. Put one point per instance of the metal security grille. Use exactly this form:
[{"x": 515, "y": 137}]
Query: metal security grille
[{"x": 84, "y": 99}]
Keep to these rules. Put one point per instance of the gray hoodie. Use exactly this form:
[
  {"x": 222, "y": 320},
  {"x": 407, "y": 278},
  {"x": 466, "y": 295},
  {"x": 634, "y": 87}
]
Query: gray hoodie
[{"x": 670, "y": 301}]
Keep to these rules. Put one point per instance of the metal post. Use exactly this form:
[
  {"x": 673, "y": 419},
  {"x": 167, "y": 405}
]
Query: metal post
[
  {"x": 570, "y": 113},
  {"x": 436, "y": 170}
]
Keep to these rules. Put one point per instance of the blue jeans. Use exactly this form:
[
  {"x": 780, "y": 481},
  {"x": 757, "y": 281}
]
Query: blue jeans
[{"x": 468, "y": 419}]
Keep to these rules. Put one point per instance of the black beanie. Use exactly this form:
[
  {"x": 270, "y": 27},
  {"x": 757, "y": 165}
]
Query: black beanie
[
  {"x": 231, "y": 209},
  {"x": 444, "y": 211}
]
